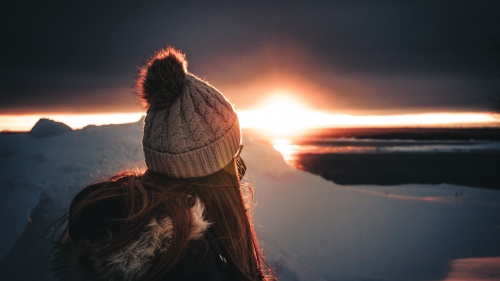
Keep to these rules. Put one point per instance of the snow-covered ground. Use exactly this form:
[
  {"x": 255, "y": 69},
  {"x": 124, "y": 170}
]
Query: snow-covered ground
[{"x": 310, "y": 229}]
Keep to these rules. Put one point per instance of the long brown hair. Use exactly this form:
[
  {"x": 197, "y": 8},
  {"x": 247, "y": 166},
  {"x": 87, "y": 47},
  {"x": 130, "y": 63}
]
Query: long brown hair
[{"x": 150, "y": 195}]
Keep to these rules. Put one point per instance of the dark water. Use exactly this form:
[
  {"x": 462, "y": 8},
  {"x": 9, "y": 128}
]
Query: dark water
[{"x": 473, "y": 163}]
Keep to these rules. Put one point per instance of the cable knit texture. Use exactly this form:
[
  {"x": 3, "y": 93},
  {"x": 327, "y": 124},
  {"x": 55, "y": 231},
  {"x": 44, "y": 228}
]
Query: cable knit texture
[{"x": 194, "y": 131}]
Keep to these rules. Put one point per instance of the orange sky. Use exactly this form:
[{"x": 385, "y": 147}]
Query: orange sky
[{"x": 280, "y": 114}]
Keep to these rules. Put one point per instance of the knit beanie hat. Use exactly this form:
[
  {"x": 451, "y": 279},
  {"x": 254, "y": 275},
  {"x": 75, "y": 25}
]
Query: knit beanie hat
[{"x": 191, "y": 129}]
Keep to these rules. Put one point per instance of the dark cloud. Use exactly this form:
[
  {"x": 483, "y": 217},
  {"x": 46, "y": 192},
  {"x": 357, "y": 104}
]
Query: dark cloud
[{"x": 395, "y": 56}]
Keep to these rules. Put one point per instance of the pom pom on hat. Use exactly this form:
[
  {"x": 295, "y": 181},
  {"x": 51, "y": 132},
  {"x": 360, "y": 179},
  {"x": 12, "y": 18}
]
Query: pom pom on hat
[
  {"x": 161, "y": 80},
  {"x": 190, "y": 130}
]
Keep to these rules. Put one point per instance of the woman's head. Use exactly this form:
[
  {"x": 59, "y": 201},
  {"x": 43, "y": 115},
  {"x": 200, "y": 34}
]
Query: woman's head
[{"x": 191, "y": 130}]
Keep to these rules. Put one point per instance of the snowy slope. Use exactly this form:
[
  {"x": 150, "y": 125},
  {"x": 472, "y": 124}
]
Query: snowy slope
[
  {"x": 310, "y": 229},
  {"x": 44, "y": 174},
  {"x": 409, "y": 232}
]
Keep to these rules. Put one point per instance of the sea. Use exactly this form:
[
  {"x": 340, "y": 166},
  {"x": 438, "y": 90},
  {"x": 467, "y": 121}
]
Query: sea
[{"x": 469, "y": 157}]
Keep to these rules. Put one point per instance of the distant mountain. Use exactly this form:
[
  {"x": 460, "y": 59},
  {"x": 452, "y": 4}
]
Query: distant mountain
[{"x": 46, "y": 127}]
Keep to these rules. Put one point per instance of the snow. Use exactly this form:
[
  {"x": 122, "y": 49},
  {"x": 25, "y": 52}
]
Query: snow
[{"x": 310, "y": 229}]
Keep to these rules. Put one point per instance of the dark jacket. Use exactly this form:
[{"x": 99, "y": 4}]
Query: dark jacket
[{"x": 204, "y": 260}]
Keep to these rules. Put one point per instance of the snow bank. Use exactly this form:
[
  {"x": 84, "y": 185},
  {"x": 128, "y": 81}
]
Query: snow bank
[
  {"x": 407, "y": 232},
  {"x": 310, "y": 229},
  {"x": 39, "y": 177}
]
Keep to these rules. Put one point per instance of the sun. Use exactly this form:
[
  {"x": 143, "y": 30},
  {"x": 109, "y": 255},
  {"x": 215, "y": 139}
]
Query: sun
[{"x": 279, "y": 115}]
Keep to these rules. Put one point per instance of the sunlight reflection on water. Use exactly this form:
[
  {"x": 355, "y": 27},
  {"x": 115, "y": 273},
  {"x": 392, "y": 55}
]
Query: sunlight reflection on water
[{"x": 291, "y": 151}]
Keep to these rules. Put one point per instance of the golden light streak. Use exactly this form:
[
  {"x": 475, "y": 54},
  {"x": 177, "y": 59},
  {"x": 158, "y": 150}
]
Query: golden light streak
[
  {"x": 257, "y": 119},
  {"x": 21, "y": 123},
  {"x": 283, "y": 116}
]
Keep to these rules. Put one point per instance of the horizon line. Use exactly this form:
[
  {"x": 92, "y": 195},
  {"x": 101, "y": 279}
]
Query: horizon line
[{"x": 12, "y": 123}]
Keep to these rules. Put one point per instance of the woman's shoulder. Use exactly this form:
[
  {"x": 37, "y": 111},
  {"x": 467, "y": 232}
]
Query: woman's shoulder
[{"x": 82, "y": 259}]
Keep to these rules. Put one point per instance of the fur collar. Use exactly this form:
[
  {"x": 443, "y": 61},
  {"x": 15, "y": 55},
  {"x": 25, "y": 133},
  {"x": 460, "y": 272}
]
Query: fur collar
[{"x": 79, "y": 262}]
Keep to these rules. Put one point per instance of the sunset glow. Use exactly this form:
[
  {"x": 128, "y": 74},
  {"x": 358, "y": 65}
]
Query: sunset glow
[{"x": 282, "y": 115}]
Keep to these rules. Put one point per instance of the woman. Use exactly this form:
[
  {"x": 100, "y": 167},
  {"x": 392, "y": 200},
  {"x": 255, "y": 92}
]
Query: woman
[{"x": 186, "y": 217}]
